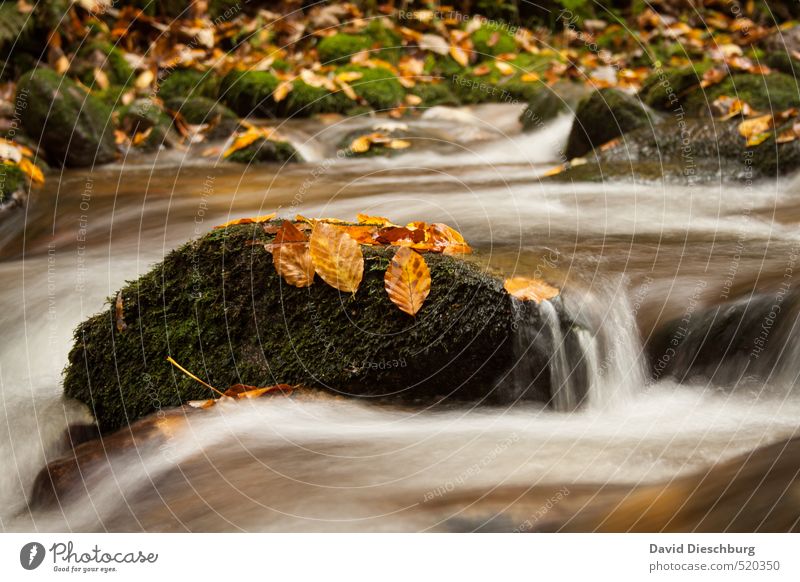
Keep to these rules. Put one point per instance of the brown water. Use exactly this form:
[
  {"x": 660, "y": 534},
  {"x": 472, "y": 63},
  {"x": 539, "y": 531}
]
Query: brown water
[{"x": 628, "y": 255}]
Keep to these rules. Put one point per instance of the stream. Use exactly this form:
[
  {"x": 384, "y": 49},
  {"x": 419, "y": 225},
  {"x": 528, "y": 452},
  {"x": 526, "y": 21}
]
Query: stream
[{"x": 630, "y": 257}]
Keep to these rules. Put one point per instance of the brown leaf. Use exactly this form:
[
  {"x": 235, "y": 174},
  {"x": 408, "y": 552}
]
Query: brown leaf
[
  {"x": 529, "y": 289},
  {"x": 244, "y": 391},
  {"x": 291, "y": 256},
  {"x": 337, "y": 257},
  {"x": 407, "y": 280}
]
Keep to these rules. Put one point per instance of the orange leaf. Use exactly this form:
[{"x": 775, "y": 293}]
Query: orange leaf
[
  {"x": 407, "y": 280},
  {"x": 375, "y": 220},
  {"x": 32, "y": 170},
  {"x": 291, "y": 256},
  {"x": 281, "y": 91},
  {"x": 244, "y": 140},
  {"x": 337, "y": 258},
  {"x": 447, "y": 240},
  {"x": 529, "y": 289},
  {"x": 254, "y": 220}
]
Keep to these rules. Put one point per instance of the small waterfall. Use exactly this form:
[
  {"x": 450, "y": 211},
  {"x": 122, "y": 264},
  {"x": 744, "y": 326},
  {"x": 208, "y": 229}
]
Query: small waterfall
[{"x": 595, "y": 360}]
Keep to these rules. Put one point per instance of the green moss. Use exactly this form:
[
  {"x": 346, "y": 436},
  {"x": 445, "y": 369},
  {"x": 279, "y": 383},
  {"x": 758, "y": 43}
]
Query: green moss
[
  {"x": 305, "y": 100},
  {"x": 493, "y": 39},
  {"x": 389, "y": 41},
  {"x": 217, "y": 307},
  {"x": 338, "y": 48},
  {"x": 379, "y": 87},
  {"x": 106, "y": 57},
  {"x": 773, "y": 92},
  {"x": 665, "y": 89},
  {"x": 12, "y": 181},
  {"x": 188, "y": 83},
  {"x": 266, "y": 151},
  {"x": 249, "y": 92},
  {"x": 74, "y": 128},
  {"x": 433, "y": 94}
]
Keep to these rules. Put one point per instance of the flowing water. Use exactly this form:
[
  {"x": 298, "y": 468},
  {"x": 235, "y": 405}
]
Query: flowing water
[{"x": 630, "y": 257}]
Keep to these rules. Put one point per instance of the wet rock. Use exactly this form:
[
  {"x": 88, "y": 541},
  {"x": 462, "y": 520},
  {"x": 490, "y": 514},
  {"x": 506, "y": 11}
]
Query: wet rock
[
  {"x": 604, "y": 115},
  {"x": 145, "y": 117},
  {"x": 704, "y": 147},
  {"x": 266, "y": 150},
  {"x": 730, "y": 344},
  {"x": 74, "y": 128},
  {"x": 217, "y": 306},
  {"x": 547, "y": 102},
  {"x": 222, "y": 121}
]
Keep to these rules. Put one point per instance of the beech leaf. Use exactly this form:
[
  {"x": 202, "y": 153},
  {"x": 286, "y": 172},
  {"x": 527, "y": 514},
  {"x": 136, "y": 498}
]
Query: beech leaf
[
  {"x": 407, "y": 280},
  {"x": 337, "y": 257}
]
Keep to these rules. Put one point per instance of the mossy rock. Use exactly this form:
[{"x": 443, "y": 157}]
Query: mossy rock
[
  {"x": 548, "y": 102},
  {"x": 664, "y": 89},
  {"x": 250, "y": 92},
  {"x": 73, "y": 127},
  {"x": 265, "y": 150},
  {"x": 379, "y": 87},
  {"x": 13, "y": 182},
  {"x": 433, "y": 94},
  {"x": 217, "y": 306},
  {"x": 773, "y": 92},
  {"x": 493, "y": 39},
  {"x": 103, "y": 56},
  {"x": 305, "y": 100},
  {"x": 146, "y": 115},
  {"x": 188, "y": 83},
  {"x": 338, "y": 48},
  {"x": 201, "y": 110},
  {"x": 781, "y": 61},
  {"x": 390, "y": 43},
  {"x": 602, "y": 116},
  {"x": 706, "y": 147}
]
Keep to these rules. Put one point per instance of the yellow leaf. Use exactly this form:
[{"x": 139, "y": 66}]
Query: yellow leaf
[
  {"x": 504, "y": 68},
  {"x": 756, "y": 130},
  {"x": 281, "y": 91},
  {"x": 101, "y": 78},
  {"x": 348, "y": 76},
  {"x": 145, "y": 79},
  {"x": 530, "y": 77},
  {"x": 361, "y": 144},
  {"x": 398, "y": 144},
  {"x": 32, "y": 170},
  {"x": 202, "y": 403},
  {"x": 555, "y": 171},
  {"x": 459, "y": 55},
  {"x": 348, "y": 90},
  {"x": 413, "y": 100},
  {"x": 291, "y": 256},
  {"x": 529, "y": 289},
  {"x": 374, "y": 220},
  {"x": 254, "y": 220},
  {"x": 407, "y": 280},
  {"x": 242, "y": 141},
  {"x": 61, "y": 65},
  {"x": 141, "y": 136},
  {"x": 337, "y": 258}
]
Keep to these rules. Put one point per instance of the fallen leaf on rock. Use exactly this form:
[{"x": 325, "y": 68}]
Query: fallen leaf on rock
[
  {"x": 398, "y": 144},
  {"x": 530, "y": 77},
  {"x": 241, "y": 391},
  {"x": 447, "y": 240},
  {"x": 504, "y": 68},
  {"x": 376, "y": 220},
  {"x": 481, "y": 70},
  {"x": 253, "y": 220},
  {"x": 291, "y": 256},
  {"x": 145, "y": 79},
  {"x": 281, "y": 91},
  {"x": 756, "y": 130},
  {"x": 407, "y": 280},
  {"x": 529, "y": 289},
  {"x": 713, "y": 77},
  {"x": 32, "y": 170},
  {"x": 119, "y": 314},
  {"x": 337, "y": 258}
]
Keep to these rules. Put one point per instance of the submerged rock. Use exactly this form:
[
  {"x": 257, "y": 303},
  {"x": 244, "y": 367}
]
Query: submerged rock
[
  {"x": 217, "y": 306},
  {"x": 74, "y": 128},
  {"x": 604, "y": 115},
  {"x": 145, "y": 117},
  {"x": 222, "y": 121}
]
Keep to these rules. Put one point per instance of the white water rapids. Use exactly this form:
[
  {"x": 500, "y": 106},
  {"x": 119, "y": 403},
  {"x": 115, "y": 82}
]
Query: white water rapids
[{"x": 628, "y": 255}]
